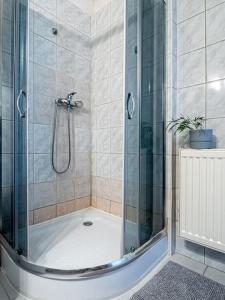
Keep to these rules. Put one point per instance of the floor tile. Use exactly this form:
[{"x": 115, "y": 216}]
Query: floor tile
[
  {"x": 215, "y": 275},
  {"x": 189, "y": 263}
]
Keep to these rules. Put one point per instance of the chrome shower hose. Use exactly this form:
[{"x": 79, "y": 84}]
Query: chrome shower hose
[{"x": 54, "y": 139}]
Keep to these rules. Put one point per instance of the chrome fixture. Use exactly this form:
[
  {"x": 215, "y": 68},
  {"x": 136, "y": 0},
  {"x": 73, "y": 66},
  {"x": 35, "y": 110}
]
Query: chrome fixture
[
  {"x": 69, "y": 104},
  {"x": 68, "y": 101},
  {"x": 130, "y": 110},
  {"x": 19, "y": 104}
]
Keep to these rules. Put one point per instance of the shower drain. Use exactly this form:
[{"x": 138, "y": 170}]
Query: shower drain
[{"x": 88, "y": 223}]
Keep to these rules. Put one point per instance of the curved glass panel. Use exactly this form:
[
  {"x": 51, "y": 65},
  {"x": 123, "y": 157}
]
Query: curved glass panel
[
  {"x": 14, "y": 19},
  {"x": 144, "y": 140},
  {"x": 71, "y": 210}
]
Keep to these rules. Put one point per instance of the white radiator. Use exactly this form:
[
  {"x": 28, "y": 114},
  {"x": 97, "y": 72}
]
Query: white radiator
[{"x": 202, "y": 197}]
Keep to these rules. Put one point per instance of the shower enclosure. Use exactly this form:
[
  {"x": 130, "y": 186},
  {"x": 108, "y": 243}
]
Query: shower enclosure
[{"x": 100, "y": 163}]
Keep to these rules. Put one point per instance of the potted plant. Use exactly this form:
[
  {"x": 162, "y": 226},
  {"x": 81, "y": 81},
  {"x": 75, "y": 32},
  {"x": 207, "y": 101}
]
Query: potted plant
[{"x": 199, "y": 138}]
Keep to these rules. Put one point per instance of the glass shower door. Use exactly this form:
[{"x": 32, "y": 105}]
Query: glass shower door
[
  {"x": 132, "y": 128},
  {"x": 20, "y": 126},
  {"x": 13, "y": 124},
  {"x": 144, "y": 122}
]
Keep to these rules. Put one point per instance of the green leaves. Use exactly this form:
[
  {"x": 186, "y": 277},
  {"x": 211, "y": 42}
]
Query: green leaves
[{"x": 185, "y": 123}]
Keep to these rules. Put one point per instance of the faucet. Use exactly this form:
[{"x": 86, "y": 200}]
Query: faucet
[{"x": 68, "y": 101}]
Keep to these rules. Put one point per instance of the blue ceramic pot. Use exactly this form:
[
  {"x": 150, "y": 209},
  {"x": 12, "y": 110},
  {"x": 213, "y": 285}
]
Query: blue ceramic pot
[{"x": 201, "y": 139}]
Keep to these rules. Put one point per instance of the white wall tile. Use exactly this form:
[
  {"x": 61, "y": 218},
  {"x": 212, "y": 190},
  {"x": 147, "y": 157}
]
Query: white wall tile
[
  {"x": 188, "y": 8},
  {"x": 87, "y": 6},
  {"x": 116, "y": 166},
  {"x": 117, "y": 11},
  {"x": 116, "y": 113},
  {"x": 100, "y": 44},
  {"x": 49, "y": 5},
  {"x": 215, "y": 26},
  {"x": 82, "y": 164},
  {"x": 82, "y": 140},
  {"x": 216, "y": 61},
  {"x": 102, "y": 116},
  {"x": 42, "y": 138},
  {"x": 101, "y": 67},
  {"x": 212, "y": 3},
  {"x": 191, "y": 101},
  {"x": 44, "y": 194},
  {"x": 191, "y": 68},
  {"x": 99, "y": 4},
  {"x": 69, "y": 13},
  {"x": 103, "y": 18},
  {"x": 215, "y": 101},
  {"x": 218, "y": 126},
  {"x": 117, "y": 58},
  {"x": 44, "y": 80},
  {"x": 191, "y": 34},
  {"x": 103, "y": 165},
  {"x": 116, "y": 87},
  {"x": 44, "y": 52},
  {"x": 116, "y": 139},
  {"x": 101, "y": 91},
  {"x": 103, "y": 140},
  {"x": 43, "y": 23},
  {"x": 117, "y": 35},
  {"x": 82, "y": 186}
]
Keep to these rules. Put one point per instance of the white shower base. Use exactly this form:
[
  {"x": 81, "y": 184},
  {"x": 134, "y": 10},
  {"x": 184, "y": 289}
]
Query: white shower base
[
  {"x": 103, "y": 287},
  {"x": 65, "y": 243}
]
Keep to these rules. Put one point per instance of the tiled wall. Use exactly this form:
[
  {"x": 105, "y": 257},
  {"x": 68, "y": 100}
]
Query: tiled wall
[
  {"x": 6, "y": 81},
  {"x": 59, "y": 64},
  {"x": 107, "y": 106},
  {"x": 201, "y": 86},
  {"x": 86, "y": 56},
  {"x": 201, "y": 68}
]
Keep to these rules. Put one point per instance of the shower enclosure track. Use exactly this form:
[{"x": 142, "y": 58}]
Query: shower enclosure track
[{"x": 79, "y": 274}]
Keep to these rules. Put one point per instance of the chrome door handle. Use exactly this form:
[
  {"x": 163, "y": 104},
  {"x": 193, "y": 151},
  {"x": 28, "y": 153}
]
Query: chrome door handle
[
  {"x": 130, "y": 97},
  {"x": 18, "y": 103}
]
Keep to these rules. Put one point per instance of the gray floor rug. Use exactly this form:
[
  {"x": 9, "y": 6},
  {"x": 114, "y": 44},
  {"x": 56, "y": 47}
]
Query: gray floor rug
[{"x": 175, "y": 282}]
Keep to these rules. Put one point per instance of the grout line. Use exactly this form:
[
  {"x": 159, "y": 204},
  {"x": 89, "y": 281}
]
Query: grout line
[
  {"x": 194, "y": 16},
  {"x": 206, "y": 46},
  {"x": 205, "y": 270},
  {"x": 189, "y": 18},
  {"x": 213, "y": 44},
  {"x": 197, "y": 14},
  {"x": 215, "y": 6}
]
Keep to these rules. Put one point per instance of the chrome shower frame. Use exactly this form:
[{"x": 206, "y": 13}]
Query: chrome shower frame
[{"x": 87, "y": 273}]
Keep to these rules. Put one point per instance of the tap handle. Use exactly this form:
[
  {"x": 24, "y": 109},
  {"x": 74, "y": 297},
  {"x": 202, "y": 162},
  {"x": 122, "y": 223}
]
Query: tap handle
[{"x": 70, "y": 95}]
